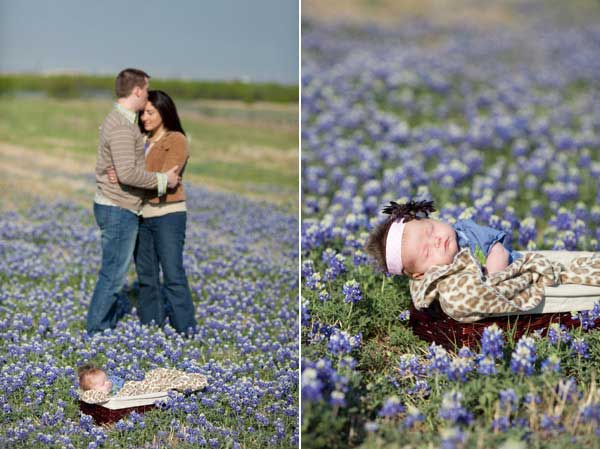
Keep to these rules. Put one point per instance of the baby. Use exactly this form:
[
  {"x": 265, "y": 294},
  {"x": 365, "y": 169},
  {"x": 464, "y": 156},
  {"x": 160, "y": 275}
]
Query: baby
[
  {"x": 92, "y": 378},
  {"x": 97, "y": 387},
  {"x": 410, "y": 243}
]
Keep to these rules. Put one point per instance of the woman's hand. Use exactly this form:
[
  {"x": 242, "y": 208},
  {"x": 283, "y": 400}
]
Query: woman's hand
[
  {"x": 497, "y": 259},
  {"x": 112, "y": 175}
]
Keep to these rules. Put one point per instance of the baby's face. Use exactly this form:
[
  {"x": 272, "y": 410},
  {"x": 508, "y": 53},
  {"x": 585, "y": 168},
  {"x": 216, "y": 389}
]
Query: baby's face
[
  {"x": 426, "y": 243},
  {"x": 100, "y": 382}
]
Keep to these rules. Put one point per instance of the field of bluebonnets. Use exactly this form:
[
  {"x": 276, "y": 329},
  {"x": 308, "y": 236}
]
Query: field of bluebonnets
[
  {"x": 498, "y": 123},
  {"x": 241, "y": 260}
]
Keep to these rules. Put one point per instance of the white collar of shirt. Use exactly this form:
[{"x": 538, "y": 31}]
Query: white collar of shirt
[{"x": 129, "y": 115}]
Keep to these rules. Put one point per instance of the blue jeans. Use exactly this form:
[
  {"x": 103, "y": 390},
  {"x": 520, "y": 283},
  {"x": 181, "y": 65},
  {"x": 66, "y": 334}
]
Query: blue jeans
[
  {"x": 160, "y": 245},
  {"x": 119, "y": 229}
]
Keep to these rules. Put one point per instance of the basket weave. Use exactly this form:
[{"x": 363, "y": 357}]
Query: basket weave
[
  {"x": 103, "y": 415},
  {"x": 434, "y": 326}
]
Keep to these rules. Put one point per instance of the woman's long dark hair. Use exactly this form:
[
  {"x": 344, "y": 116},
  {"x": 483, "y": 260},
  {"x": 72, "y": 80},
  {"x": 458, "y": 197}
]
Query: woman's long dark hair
[{"x": 167, "y": 110}]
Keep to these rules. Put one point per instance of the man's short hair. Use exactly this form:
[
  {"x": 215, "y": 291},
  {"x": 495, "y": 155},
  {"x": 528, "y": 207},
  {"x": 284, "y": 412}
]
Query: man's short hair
[{"x": 127, "y": 79}]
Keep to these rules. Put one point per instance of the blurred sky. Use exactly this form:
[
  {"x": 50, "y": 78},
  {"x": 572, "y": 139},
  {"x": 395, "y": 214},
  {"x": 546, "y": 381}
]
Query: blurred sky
[{"x": 254, "y": 40}]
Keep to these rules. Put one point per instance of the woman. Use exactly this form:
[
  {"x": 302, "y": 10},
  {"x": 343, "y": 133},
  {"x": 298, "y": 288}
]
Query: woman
[{"x": 162, "y": 226}]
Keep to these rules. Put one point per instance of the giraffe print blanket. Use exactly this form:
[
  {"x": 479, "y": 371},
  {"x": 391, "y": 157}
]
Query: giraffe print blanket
[
  {"x": 155, "y": 381},
  {"x": 466, "y": 294}
]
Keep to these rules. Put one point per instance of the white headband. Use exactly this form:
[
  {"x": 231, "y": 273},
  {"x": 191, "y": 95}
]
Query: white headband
[{"x": 393, "y": 247}]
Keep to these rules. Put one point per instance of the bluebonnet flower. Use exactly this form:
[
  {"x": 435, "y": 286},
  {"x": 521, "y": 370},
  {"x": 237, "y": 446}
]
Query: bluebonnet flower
[
  {"x": 465, "y": 352},
  {"x": 508, "y": 399},
  {"x": 551, "y": 364},
  {"x": 588, "y": 318},
  {"x": 359, "y": 258},
  {"x": 347, "y": 362},
  {"x": 569, "y": 240},
  {"x": 527, "y": 231},
  {"x": 319, "y": 380},
  {"x": 557, "y": 333},
  {"x": 579, "y": 346},
  {"x": 404, "y": 315},
  {"x": 438, "y": 357},
  {"x": 551, "y": 422},
  {"x": 351, "y": 291},
  {"x": 590, "y": 413},
  {"x": 312, "y": 386},
  {"x": 336, "y": 264},
  {"x": 307, "y": 269},
  {"x": 523, "y": 357},
  {"x": 305, "y": 318},
  {"x": 420, "y": 388},
  {"x": 459, "y": 368},
  {"x": 313, "y": 282},
  {"x": 340, "y": 342},
  {"x": 485, "y": 365},
  {"x": 391, "y": 407},
  {"x": 501, "y": 424},
  {"x": 492, "y": 342},
  {"x": 324, "y": 295},
  {"x": 532, "y": 398},
  {"x": 452, "y": 409}
]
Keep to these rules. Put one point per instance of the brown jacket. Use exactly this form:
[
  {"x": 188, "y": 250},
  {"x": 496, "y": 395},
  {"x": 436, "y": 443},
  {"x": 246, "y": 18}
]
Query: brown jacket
[{"x": 169, "y": 151}]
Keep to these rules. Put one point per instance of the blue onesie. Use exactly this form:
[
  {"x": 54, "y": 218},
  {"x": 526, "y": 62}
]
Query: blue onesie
[
  {"x": 117, "y": 384},
  {"x": 480, "y": 239}
]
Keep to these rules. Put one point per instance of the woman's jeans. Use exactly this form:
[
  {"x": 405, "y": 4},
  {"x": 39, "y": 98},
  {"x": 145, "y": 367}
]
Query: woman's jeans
[
  {"x": 160, "y": 244},
  {"x": 118, "y": 229}
]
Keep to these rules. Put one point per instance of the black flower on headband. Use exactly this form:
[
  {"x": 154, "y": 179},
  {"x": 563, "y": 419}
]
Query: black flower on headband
[{"x": 413, "y": 210}]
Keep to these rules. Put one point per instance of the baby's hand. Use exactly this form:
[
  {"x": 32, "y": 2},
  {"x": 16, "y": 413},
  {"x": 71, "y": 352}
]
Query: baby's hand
[{"x": 497, "y": 259}]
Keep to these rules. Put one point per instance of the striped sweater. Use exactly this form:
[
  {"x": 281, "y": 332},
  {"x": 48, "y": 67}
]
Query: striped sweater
[{"x": 122, "y": 146}]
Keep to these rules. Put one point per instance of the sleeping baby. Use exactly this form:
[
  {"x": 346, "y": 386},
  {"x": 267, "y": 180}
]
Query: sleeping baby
[
  {"x": 410, "y": 243},
  {"x": 469, "y": 269},
  {"x": 97, "y": 387}
]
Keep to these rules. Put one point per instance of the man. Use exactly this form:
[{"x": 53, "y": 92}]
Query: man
[{"x": 117, "y": 206}]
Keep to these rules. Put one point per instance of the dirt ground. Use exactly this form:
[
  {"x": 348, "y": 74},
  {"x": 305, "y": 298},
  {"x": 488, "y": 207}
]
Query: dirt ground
[{"x": 28, "y": 174}]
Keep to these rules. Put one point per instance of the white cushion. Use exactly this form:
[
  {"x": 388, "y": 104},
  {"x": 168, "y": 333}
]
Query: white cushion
[{"x": 117, "y": 403}]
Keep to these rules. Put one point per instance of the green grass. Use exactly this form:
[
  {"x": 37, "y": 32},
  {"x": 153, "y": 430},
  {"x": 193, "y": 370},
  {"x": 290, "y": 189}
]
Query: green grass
[
  {"x": 254, "y": 175},
  {"x": 246, "y": 149}
]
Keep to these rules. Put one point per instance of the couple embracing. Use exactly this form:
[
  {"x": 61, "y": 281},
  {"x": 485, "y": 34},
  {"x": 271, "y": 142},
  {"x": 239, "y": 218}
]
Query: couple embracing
[{"x": 140, "y": 207}]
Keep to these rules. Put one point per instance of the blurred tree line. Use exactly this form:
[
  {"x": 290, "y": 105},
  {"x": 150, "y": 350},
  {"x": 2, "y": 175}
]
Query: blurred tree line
[{"x": 73, "y": 86}]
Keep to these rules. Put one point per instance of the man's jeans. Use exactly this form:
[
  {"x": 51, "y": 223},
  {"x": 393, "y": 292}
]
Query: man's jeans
[
  {"x": 119, "y": 229},
  {"x": 160, "y": 244}
]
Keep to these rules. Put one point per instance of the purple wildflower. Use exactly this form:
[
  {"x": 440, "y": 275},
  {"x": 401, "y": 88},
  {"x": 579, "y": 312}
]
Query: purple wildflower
[
  {"x": 452, "y": 409},
  {"x": 580, "y": 347},
  {"x": 351, "y": 291},
  {"x": 492, "y": 342},
  {"x": 391, "y": 407},
  {"x": 523, "y": 357},
  {"x": 551, "y": 364}
]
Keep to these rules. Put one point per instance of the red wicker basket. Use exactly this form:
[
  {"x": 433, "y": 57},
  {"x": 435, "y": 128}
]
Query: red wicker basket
[
  {"x": 103, "y": 415},
  {"x": 433, "y": 325}
]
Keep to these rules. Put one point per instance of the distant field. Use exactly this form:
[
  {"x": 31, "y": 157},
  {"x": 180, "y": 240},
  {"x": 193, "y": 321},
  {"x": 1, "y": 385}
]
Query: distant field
[
  {"x": 48, "y": 147},
  {"x": 476, "y": 13}
]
